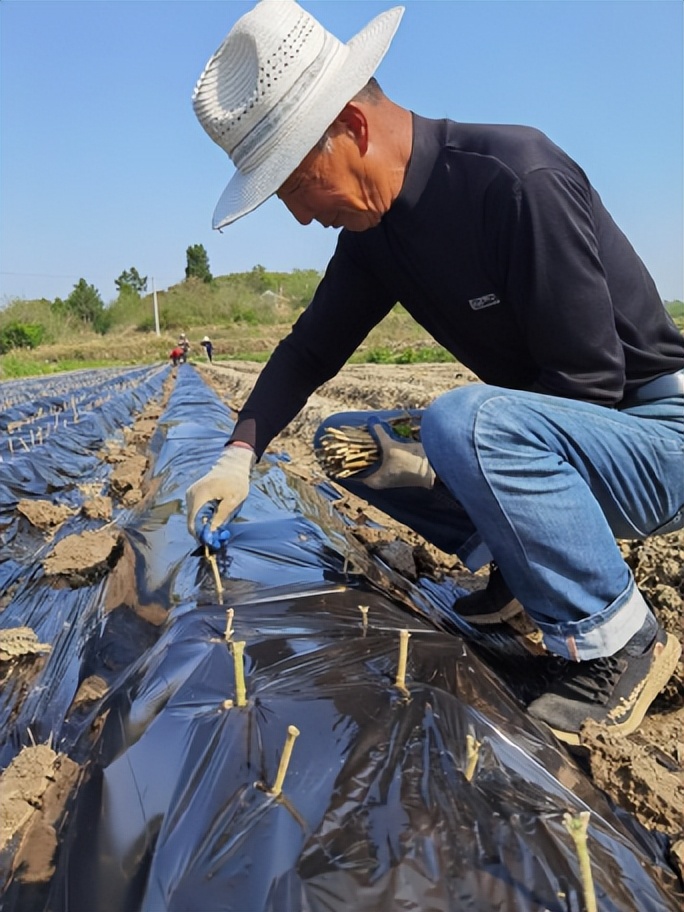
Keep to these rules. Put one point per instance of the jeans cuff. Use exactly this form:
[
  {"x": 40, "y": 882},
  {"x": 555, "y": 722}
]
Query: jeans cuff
[
  {"x": 601, "y": 634},
  {"x": 474, "y": 553}
]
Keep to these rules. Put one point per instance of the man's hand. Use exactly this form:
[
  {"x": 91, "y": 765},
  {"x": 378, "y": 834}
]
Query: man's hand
[
  {"x": 217, "y": 496},
  {"x": 403, "y": 460}
]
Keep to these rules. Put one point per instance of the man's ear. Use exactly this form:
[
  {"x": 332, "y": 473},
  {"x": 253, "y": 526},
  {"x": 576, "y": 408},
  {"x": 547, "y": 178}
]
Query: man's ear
[{"x": 355, "y": 123}]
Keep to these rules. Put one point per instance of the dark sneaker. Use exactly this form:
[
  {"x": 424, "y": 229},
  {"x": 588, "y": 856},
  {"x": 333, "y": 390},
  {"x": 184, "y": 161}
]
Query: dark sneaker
[
  {"x": 492, "y": 605},
  {"x": 614, "y": 691}
]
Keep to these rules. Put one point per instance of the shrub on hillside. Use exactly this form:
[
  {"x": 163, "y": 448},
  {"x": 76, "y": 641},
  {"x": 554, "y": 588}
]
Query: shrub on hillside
[{"x": 20, "y": 335}]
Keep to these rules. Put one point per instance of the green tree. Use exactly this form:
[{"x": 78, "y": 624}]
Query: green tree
[
  {"x": 84, "y": 303},
  {"x": 258, "y": 279},
  {"x": 197, "y": 263},
  {"x": 131, "y": 278}
]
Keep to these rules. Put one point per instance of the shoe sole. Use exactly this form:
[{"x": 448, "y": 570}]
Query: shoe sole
[
  {"x": 511, "y": 610},
  {"x": 659, "y": 674}
]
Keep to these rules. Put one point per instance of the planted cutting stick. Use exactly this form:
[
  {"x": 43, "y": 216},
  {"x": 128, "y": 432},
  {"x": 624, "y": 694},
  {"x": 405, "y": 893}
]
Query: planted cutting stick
[
  {"x": 364, "y": 616},
  {"x": 578, "y": 826},
  {"x": 214, "y": 566},
  {"x": 292, "y": 735},
  {"x": 229, "y": 624},
  {"x": 238, "y": 662},
  {"x": 400, "y": 681},
  {"x": 472, "y": 753}
]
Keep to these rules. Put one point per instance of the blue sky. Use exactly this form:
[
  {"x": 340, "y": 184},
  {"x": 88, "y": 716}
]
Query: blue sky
[{"x": 103, "y": 165}]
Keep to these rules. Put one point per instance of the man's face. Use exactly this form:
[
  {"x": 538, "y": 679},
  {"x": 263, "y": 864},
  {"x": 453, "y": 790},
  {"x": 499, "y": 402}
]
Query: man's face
[{"x": 330, "y": 187}]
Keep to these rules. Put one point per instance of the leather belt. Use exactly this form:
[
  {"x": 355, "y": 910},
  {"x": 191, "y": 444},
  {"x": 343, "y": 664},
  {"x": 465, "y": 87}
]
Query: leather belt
[{"x": 660, "y": 388}]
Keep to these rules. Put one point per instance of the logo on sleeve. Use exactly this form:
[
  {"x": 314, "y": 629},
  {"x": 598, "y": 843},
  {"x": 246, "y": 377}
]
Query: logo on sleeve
[{"x": 487, "y": 300}]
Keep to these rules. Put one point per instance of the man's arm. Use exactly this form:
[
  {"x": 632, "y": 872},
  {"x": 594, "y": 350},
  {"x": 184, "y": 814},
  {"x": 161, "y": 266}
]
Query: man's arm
[{"x": 348, "y": 303}]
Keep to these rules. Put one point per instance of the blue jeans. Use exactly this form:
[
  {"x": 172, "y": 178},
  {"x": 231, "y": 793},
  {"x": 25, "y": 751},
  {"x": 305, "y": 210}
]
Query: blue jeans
[{"x": 544, "y": 486}]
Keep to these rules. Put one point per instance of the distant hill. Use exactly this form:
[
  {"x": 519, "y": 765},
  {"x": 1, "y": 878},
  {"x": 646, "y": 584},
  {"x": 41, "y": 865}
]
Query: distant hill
[{"x": 675, "y": 309}]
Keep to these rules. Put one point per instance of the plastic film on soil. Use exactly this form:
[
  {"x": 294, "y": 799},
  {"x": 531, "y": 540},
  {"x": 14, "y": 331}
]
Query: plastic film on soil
[{"x": 313, "y": 735}]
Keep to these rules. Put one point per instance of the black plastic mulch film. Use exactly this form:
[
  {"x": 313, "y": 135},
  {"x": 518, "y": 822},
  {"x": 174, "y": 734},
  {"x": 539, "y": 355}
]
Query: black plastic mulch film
[{"x": 429, "y": 790}]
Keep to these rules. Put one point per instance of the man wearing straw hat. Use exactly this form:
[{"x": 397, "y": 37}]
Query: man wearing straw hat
[{"x": 495, "y": 242}]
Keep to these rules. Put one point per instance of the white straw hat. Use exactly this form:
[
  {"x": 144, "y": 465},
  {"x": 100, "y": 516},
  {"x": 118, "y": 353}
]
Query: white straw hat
[{"x": 273, "y": 88}]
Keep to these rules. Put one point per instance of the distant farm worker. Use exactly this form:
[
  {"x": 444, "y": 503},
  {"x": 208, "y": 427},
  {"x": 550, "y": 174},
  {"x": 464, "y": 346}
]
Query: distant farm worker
[
  {"x": 495, "y": 241},
  {"x": 183, "y": 343},
  {"x": 208, "y": 347},
  {"x": 177, "y": 355}
]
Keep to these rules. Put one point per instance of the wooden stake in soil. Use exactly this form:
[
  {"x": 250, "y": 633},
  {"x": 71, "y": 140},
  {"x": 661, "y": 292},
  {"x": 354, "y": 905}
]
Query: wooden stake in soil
[
  {"x": 214, "y": 566},
  {"x": 577, "y": 827},
  {"x": 238, "y": 663},
  {"x": 400, "y": 682},
  {"x": 472, "y": 753},
  {"x": 292, "y": 735},
  {"x": 364, "y": 616},
  {"x": 229, "y": 624},
  {"x": 217, "y": 577}
]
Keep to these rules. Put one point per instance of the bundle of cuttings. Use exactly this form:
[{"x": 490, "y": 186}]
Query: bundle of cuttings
[{"x": 346, "y": 450}]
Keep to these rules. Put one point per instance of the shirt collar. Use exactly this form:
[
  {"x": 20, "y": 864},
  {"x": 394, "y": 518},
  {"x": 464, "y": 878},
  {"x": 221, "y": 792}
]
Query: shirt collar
[{"x": 428, "y": 141}]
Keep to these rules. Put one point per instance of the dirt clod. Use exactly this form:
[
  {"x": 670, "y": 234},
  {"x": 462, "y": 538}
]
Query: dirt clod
[{"x": 82, "y": 558}]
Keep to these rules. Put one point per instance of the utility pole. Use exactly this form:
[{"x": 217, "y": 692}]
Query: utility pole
[{"x": 156, "y": 308}]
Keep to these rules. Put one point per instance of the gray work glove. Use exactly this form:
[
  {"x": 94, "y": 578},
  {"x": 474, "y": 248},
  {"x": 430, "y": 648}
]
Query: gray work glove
[
  {"x": 214, "y": 499},
  {"x": 403, "y": 463}
]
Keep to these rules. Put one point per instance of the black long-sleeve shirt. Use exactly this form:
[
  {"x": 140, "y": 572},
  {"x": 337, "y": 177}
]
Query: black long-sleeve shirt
[{"x": 502, "y": 250}]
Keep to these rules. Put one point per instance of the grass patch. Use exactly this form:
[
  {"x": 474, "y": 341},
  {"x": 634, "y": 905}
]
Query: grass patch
[
  {"x": 15, "y": 367},
  {"x": 258, "y": 356},
  {"x": 427, "y": 354}
]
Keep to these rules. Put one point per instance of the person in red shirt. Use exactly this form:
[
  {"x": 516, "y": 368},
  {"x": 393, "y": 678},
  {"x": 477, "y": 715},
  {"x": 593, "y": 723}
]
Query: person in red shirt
[{"x": 177, "y": 355}]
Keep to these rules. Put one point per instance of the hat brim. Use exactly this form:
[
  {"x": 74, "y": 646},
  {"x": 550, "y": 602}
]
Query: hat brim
[{"x": 246, "y": 191}]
